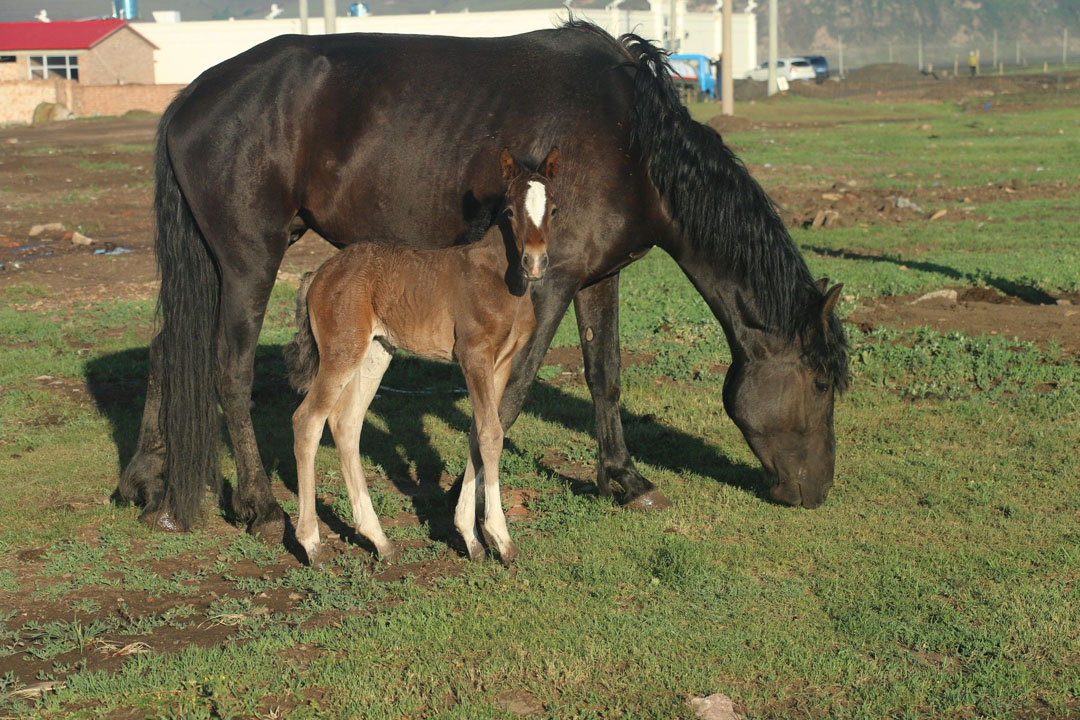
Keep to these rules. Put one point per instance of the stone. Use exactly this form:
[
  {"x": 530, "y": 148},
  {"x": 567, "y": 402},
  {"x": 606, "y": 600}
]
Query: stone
[
  {"x": 50, "y": 228},
  {"x": 946, "y": 294},
  {"x": 939, "y": 214},
  {"x": 714, "y": 707},
  {"x": 77, "y": 238}
]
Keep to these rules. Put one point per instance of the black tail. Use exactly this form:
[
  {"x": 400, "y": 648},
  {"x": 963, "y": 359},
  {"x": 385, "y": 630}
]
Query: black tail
[
  {"x": 188, "y": 310},
  {"x": 302, "y": 354}
]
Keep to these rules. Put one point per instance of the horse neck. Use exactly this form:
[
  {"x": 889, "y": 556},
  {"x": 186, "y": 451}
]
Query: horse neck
[{"x": 734, "y": 302}]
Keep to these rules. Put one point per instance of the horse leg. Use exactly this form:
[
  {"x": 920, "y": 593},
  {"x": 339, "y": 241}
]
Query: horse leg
[
  {"x": 346, "y": 422},
  {"x": 142, "y": 481},
  {"x": 244, "y": 295},
  {"x": 465, "y": 512},
  {"x": 597, "y": 309},
  {"x": 485, "y": 387}
]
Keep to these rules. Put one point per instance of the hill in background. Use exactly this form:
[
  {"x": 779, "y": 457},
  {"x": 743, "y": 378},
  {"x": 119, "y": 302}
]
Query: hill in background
[{"x": 867, "y": 28}]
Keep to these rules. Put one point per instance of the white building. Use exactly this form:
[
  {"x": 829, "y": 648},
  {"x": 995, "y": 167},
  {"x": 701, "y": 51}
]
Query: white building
[{"x": 185, "y": 49}]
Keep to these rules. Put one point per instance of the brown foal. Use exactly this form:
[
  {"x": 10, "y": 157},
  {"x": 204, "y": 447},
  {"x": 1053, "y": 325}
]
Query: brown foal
[{"x": 469, "y": 303}]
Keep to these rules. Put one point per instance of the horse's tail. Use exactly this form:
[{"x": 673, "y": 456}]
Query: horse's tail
[
  {"x": 188, "y": 312},
  {"x": 302, "y": 354}
]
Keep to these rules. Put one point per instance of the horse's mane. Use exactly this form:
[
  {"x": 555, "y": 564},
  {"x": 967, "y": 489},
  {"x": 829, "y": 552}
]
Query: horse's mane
[{"x": 722, "y": 211}]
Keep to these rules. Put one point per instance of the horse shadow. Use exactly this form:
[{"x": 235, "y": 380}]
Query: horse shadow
[
  {"x": 1027, "y": 293},
  {"x": 395, "y": 438}
]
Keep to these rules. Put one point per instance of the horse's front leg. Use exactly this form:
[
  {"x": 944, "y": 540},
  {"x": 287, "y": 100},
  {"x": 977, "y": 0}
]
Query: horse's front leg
[{"x": 597, "y": 308}]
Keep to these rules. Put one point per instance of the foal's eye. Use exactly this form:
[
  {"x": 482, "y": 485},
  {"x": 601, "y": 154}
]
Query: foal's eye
[
  {"x": 554, "y": 211},
  {"x": 509, "y": 212}
]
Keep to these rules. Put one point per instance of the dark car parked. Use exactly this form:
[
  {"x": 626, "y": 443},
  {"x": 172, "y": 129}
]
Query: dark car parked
[{"x": 821, "y": 67}]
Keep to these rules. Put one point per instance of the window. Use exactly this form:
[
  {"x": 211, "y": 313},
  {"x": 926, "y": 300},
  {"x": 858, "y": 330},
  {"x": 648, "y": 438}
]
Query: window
[
  {"x": 61, "y": 66},
  {"x": 7, "y": 58}
]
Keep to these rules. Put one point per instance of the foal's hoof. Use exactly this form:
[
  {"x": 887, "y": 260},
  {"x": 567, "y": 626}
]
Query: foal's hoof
[
  {"x": 475, "y": 549},
  {"x": 316, "y": 556},
  {"x": 389, "y": 554},
  {"x": 269, "y": 525},
  {"x": 507, "y": 558},
  {"x": 652, "y": 500},
  {"x": 161, "y": 520}
]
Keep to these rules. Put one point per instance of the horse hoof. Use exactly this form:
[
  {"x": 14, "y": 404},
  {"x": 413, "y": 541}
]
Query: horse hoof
[
  {"x": 652, "y": 500},
  {"x": 161, "y": 520},
  {"x": 389, "y": 554},
  {"x": 269, "y": 526}
]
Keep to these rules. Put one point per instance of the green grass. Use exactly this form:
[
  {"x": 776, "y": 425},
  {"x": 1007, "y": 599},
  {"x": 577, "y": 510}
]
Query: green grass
[{"x": 940, "y": 579}]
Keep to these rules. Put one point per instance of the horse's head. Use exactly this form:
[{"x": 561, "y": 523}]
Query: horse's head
[
  {"x": 781, "y": 396},
  {"x": 530, "y": 208}
]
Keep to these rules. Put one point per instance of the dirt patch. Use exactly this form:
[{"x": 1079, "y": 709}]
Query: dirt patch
[
  {"x": 848, "y": 203},
  {"x": 981, "y": 311}
]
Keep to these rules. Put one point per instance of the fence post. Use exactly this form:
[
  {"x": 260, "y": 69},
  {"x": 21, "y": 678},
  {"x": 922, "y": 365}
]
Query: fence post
[
  {"x": 995, "y": 49},
  {"x": 1017, "y": 52},
  {"x": 920, "y": 51},
  {"x": 1065, "y": 46},
  {"x": 955, "y": 64},
  {"x": 841, "y": 41}
]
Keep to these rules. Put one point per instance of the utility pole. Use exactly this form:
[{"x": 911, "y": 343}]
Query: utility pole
[
  {"x": 1065, "y": 46},
  {"x": 840, "y": 40},
  {"x": 920, "y": 51},
  {"x": 303, "y": 17},
  {"x": 995, "y": 49},
  {"x": 773, "y": 40},
  {"x": 1018, "y": 52},
  {"x": 330, "y": 16},
  {"x": 890, "y": 52},
  {"x": 727, "y": 87}
]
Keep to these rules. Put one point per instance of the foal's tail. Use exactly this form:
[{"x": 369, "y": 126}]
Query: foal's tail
[{"x": 302, "y": 354}]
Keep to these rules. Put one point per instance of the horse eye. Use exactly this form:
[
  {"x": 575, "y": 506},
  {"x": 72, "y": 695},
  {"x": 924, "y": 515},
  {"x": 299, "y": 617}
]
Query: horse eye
[
  {"x": 821, "y": 386},
  {"x": 509, "y": 212}
]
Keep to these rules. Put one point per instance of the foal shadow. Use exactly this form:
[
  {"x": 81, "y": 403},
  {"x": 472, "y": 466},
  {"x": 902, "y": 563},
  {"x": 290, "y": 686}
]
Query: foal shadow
[{"x": 396, "y": 440}]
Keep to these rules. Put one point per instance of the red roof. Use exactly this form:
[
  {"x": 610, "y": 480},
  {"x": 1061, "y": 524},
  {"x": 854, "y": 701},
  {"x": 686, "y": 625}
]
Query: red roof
[{"x": 56, "y": 35}]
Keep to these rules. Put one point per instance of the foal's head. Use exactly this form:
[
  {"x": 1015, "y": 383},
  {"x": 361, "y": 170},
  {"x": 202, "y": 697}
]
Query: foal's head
[{"x": 530, "y": 208}]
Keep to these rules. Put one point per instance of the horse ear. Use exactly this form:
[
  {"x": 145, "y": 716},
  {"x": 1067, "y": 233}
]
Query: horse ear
[
  {"x": 822, "y": 285},
  {"x": 508, "y": 165},
  {"x": 828, "y": 303},
  {"x": 550, "y": 167}
]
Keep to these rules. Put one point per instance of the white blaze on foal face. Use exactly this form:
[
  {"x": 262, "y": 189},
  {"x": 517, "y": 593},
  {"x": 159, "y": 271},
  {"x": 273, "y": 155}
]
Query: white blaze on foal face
[{"x": 536, "y": 202}]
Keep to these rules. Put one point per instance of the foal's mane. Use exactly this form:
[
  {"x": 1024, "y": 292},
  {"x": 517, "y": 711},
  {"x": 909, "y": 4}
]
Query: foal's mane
[{"x": 722, "y": 211}]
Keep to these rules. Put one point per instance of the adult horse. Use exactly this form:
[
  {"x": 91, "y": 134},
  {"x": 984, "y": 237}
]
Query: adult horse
[{"x": 386, "y": 136}]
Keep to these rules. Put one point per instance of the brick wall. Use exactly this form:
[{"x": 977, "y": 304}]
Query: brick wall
[
  {"x": 18, "y": 99},
  {"x": 123, "y": 58}
]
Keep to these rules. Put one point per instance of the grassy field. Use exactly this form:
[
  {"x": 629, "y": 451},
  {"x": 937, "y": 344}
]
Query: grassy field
[{"x": 941, "y": 579}]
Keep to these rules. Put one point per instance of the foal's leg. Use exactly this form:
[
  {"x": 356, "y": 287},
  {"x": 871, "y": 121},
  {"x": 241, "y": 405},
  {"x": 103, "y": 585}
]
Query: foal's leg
[
  {"x": 485, "y": 387},
  {"x": 308, "y": 422},
  {"x": 346, "y": 421},
  {"x": 597, "y": 309},
  {"x": 465, "y": 512}
]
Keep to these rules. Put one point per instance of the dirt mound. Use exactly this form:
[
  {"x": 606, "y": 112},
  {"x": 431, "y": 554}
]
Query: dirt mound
[
  {"x": 731, "y": 123},
  {"x": 982, "y": 311},
  {"x": 885, "y": 72}
]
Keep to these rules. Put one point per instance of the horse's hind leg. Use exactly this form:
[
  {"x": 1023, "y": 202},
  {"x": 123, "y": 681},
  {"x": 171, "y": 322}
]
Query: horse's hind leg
[
  {"x": 245, "y": 291},
  {"x": 142, "y": 481},
  {"x": 346, "y": 422},
  {"x": 465, "y": 512}
]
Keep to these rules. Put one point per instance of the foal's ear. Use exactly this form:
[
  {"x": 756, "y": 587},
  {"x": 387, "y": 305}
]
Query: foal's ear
[
  {"x": 822, "y": 285},
  {"x": 828, "y": 303},
  {"x": 508, "y": 165},
  {"x": 550, "y": 167}
]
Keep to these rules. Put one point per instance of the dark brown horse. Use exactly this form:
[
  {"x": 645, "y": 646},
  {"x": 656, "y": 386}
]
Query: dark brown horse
[
  {"x": 469, "y": 303},
  {"x": 362, "y": 136}
]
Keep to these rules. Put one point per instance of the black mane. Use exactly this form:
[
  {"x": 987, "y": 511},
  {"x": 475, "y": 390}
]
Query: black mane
[{"x": 723, "y": 212}]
